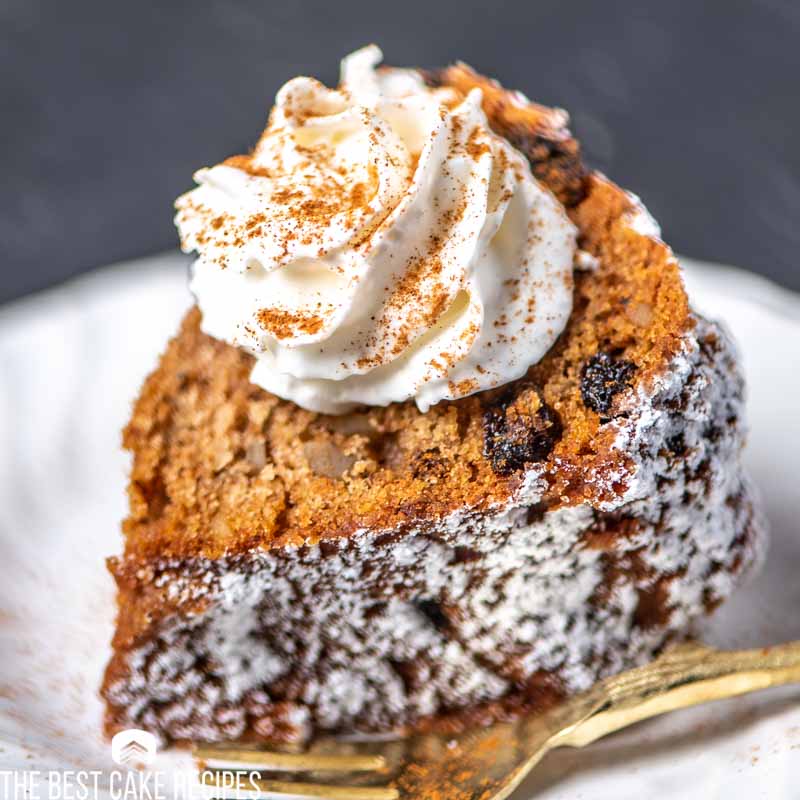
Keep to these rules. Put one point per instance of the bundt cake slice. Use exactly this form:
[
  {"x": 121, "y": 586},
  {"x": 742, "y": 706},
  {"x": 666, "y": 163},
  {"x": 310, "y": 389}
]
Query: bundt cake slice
[{"x": 288, "y": 572}]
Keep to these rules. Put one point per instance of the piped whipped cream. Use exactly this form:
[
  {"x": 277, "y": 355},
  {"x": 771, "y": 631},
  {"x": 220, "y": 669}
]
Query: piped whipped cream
[{"x": 381, "y": 243}]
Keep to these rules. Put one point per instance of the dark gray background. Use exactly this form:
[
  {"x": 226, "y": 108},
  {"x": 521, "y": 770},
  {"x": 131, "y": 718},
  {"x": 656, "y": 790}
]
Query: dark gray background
[{"x": 108, "y": 107}]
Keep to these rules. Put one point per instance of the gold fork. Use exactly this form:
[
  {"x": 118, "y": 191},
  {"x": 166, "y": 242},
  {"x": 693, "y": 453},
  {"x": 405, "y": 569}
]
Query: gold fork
[{"x": 489, "y": 763}]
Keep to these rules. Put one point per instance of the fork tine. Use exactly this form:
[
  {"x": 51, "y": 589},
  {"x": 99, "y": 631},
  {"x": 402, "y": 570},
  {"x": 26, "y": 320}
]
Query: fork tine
[
  {"x": 291, "y": 762},
  {"x": 296, "y": 789}
]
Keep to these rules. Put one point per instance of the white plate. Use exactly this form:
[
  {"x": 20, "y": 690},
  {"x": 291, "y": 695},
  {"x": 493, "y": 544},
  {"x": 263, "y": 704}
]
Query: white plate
[{"x": 70, "y": 362}]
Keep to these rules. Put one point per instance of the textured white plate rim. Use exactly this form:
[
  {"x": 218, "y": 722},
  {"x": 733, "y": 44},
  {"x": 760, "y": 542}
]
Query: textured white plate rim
[
  {"x": 74, "y": 333},
  {"x": 741, "y": 283}
]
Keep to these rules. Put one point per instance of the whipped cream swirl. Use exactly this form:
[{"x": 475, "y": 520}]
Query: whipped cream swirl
[{"x": 380, "y": 243}]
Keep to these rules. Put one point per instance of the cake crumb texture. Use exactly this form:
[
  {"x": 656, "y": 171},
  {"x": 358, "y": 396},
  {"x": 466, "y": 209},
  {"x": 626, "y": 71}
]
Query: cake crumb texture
[{"x": 451, "y": 622}]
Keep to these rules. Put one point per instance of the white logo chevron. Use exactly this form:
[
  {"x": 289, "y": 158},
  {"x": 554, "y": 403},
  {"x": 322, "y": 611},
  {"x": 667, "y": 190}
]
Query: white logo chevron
[{"x": 134, "y": 747}]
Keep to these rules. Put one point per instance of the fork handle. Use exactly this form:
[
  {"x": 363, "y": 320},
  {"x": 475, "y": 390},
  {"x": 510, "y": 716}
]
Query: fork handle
[{"x": 691, "y": 675}]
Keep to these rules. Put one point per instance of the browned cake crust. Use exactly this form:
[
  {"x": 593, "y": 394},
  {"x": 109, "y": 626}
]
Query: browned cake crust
[
  {"x": 201, "y": 432},
  {"x": 228, "y": 478}
]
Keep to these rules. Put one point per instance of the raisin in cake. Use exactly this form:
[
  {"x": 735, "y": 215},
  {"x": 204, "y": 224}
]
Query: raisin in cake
[{"x": 288, "y": 572}]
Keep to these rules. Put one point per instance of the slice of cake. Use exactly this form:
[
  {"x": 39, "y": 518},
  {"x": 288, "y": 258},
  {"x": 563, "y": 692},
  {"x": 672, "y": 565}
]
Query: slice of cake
[{"x": 443, "y": 441}]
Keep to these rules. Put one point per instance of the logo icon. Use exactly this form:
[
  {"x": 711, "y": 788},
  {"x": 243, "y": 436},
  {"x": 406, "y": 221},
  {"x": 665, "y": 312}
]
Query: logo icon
[{"x": 134, "y": 748}]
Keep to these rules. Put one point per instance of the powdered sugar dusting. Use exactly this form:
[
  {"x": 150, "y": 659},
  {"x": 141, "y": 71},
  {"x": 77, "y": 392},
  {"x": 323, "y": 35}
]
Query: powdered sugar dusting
[
  {"x": 462, "y": 611},
  {"x": 641, "y": 220}
]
